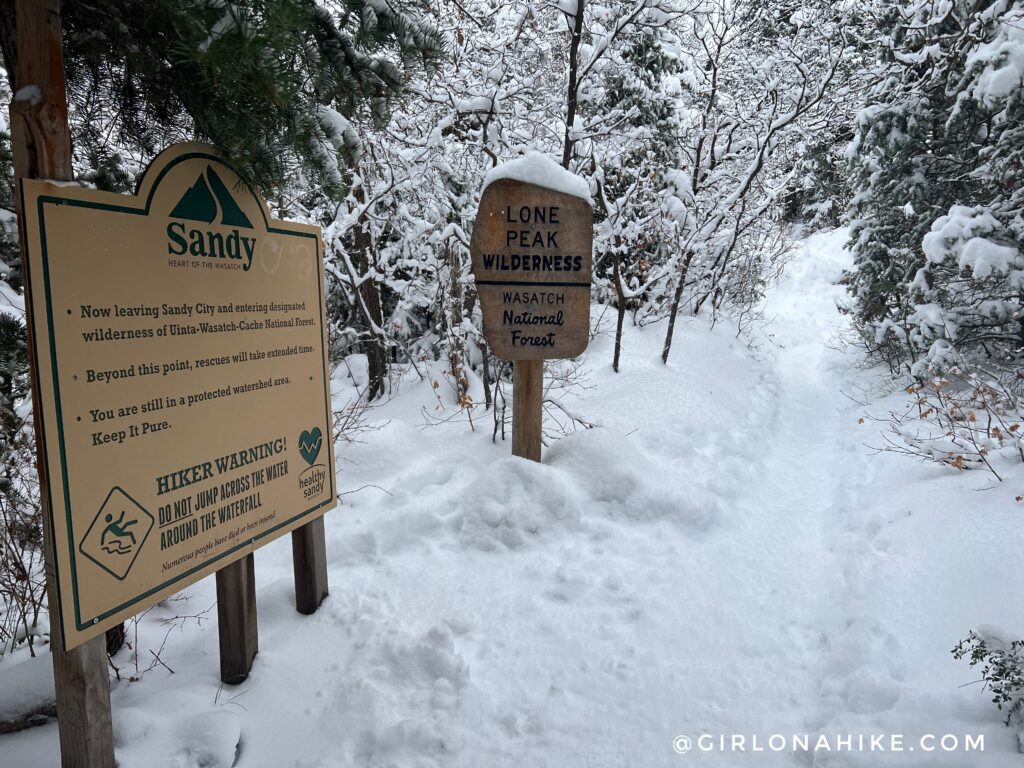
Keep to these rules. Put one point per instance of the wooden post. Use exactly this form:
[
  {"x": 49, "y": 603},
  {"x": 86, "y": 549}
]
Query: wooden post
[
  {"x": 535, "y": 306},
  {"x": 527, "y": 389},
  {"x": 41, "y": 144},
  {"x": 236, "y": 619},
  {"x": 309, "y": 558}
]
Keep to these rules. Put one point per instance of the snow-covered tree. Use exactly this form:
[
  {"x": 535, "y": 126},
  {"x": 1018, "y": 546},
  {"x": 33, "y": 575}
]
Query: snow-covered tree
[
  {"x": 755, "y": 80},
  {"x": 938, "y": 159},
  {"x": 266, "y": 81}
]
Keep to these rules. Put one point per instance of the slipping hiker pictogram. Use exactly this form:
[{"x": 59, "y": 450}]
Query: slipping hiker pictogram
[{"x": 117, "y": 534}]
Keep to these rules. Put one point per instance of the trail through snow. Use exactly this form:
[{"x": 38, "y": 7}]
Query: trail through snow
[{"x": 723, "y": 555}]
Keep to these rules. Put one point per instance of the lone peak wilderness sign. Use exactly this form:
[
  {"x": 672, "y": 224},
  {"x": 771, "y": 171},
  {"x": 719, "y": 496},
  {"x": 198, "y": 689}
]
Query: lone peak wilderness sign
[
  {"x": 531, "y": 253},
  {"x": 181, "y": 345}
]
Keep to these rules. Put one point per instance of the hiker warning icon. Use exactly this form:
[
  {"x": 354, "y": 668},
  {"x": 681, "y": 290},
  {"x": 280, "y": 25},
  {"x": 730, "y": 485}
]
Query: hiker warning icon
[{"x": 117, "y": 534}]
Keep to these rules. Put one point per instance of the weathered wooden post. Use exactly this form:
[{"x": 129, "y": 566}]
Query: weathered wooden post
[
  {"x": 527, "y": 408},
  {"x": 236, "y": 619},
  {"x": 532, "y": 252},
  {"x": 41, "y": 144},
  {"x": 309, "y": 561}
]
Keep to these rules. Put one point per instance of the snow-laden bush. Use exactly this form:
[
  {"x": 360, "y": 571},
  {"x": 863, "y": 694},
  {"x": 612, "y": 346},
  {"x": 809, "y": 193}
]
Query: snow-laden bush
[
  {"x": 22, "y": 579},
  {"x": 1002, "y": 669},
  {"x": 937, "y": 161},
  {"x": 968, "y": 293},
  {"x": 965, "y": 421}
]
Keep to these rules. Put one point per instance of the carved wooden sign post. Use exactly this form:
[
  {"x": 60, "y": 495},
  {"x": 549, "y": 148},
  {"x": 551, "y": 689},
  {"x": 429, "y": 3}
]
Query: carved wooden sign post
[{"x": 532, "y": 259}]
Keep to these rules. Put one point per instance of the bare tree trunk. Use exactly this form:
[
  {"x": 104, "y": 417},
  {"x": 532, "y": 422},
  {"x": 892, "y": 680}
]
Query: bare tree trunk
[
  {"x": 678, "y": 297},
  {"x": 700, "y": 302},
  {"x": 470, "y": 304},
  {"x": 572, "y": 98},
  {"x": 485, "y": 354},
  {"x": 376, "y": 354},
  {"x": 620, "y": 317},
  {"x": 457, "y": 346}
]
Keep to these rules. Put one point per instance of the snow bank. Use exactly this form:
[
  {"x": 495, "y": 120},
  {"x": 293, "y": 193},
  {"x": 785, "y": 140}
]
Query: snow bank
[
  {"x": 26, "y": 689},
  {"x": 537, "y": 168},
  {"x": 621, "y": 482},
  {"x": 587, "y": 477},
  {"x": 201, "y": 740}
]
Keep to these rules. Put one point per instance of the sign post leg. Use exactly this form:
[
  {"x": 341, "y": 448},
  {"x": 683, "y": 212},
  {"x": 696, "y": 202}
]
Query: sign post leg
[
  {"x": 309, "y": 556},
  {"x": 81, "y": 685},
  {"x": 236, "y": 619},
  {"x": 41, "y": 147},
  {"x": 527, "y": 390}
]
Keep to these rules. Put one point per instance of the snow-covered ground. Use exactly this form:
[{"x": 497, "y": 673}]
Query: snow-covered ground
[{"x": 723, "y": 555}]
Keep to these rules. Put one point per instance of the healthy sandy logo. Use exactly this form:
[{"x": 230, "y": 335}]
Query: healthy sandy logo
[
  {"x": 314, "y": 479},
  {"x": 309, "y": 444}
]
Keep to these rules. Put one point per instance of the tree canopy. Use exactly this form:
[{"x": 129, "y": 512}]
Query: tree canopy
[{"x": 273, "y": 84}]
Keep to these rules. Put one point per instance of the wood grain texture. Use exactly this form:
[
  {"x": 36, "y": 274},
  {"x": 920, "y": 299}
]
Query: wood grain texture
[
  {"x": 527, "y": 393},
  {"x": 309, "y": 559},
  {"x": 236, "y": 619},
  {"x": 83, "y": 703},
  {"x": 39, "y": 120},
  {"x": 41, "y": 144},
  {"x": 532, "y": 261}
]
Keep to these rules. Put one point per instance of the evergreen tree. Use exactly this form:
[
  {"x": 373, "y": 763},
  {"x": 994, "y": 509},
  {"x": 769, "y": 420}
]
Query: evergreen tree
[
  {"x": 273, "y": 84},
  {"x": 937, "y": 224}
]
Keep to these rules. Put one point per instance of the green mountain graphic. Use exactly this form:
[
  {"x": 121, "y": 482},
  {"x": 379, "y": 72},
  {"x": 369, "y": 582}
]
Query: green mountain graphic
[
  {"x": 197, "y": 204},
  {"x": 200, "y": 204}
]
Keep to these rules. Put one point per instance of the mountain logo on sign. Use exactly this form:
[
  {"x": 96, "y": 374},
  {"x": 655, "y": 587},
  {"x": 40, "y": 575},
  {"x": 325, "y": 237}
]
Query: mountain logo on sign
[
  {"x": 199, "y": 204},
  {"x": 209, "y": 200}
]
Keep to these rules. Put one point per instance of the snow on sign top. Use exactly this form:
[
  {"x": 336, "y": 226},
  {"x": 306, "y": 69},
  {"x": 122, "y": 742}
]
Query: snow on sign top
[{"x": 537, "y": 168}]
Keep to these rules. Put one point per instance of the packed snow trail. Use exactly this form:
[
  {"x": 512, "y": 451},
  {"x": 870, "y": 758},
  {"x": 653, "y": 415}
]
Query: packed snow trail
[{"x": 722, "y": 556}]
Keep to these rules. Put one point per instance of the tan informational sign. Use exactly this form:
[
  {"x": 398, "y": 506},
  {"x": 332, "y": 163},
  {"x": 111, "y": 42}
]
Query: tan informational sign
[
  {"x": 531, "y": 254},
  {"x": 181, "y": 346}
]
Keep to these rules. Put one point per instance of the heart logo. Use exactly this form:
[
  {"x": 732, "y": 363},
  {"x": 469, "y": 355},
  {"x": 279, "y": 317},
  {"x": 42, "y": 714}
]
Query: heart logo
[{"x": 309, "y": 444}]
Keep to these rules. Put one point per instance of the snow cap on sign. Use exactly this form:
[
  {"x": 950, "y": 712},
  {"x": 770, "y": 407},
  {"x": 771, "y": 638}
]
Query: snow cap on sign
[{"x": 537, "y": 168}]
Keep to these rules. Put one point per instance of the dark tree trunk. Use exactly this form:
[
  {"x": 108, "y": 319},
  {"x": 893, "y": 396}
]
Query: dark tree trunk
[
  {"x": 678, "y": 297},
  {"x": 41, "y": 148},
  {"x": 621, "y": 307},
  {"x": 369, "y": 293},
  {"x": 572, "y": 97},
  {"x": 457, "y": 349}
]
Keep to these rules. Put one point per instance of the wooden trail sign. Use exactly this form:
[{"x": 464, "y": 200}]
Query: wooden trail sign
[
  {"x": 531, "y": 252},
  {"x": 532, "y": 261},
  {"x": 184, "y": 388}
]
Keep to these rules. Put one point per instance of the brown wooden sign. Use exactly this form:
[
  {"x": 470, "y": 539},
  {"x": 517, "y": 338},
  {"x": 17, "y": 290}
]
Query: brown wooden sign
[
  {"x": 531, "y": 253},
  {"x": 185, "y": 398}
]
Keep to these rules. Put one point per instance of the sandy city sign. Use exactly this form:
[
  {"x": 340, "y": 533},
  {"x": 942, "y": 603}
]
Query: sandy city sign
[{"x": 181, "y": 345}]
